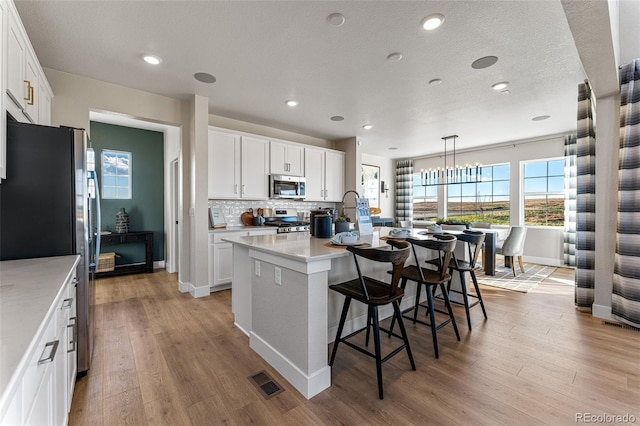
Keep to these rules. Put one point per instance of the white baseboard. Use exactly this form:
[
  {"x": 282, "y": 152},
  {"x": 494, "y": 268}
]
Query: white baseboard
[
  {"x": 201, "y": 291},
  {"x": 549, "y": 261},
  {"x": 601, "y": 311},
  {"x": 307, "y": 385},
  {"x": 220, "y": 287},
  {"x": 158, "y": 264},
  {"x": 183, "y": 287}
]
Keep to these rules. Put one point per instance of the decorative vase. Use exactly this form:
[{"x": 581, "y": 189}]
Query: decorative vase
[{"x": 122, "y": 222}]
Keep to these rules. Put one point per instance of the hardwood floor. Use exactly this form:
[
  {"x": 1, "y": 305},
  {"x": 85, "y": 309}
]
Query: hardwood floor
[{"x": 162, "y": 357}]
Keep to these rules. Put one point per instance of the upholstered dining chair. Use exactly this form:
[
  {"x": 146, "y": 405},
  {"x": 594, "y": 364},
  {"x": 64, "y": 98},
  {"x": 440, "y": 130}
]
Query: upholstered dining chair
[
  {"x": 513, "y": 246},
  {"x": 375, "y": 293},
  {"x": 480, "y": 225}
]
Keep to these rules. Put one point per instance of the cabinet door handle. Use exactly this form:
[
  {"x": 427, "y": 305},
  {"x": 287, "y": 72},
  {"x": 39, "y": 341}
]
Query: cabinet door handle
[
  {"x": 30, "y": 93},
  {"x": 52, "y": 354},
  {"x": 66, "y": 303},
  {"x": 235, "y": 188},
  {"x": 242, "y": 189},
  {"x": 74, "y": 334}
]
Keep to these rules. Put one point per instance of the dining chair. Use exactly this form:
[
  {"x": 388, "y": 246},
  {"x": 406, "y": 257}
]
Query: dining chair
[
  {"x": 375, "y": 293},
  {"x": 473, "y": 241},
  {"x": 512, "y": 247},
  {"x": 430, "y": 279},
  {"x": 480, "y": 225},
  {"x": 404, "y": 223}
]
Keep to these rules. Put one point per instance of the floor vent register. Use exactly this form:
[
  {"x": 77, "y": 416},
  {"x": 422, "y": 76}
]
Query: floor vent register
[{"x": 265, "y": 384}]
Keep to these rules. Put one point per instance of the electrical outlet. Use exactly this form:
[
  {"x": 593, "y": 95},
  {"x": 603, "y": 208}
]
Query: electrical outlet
[
  {"x": 257, "y": 268},
  {"x": 278, "y": 276}
]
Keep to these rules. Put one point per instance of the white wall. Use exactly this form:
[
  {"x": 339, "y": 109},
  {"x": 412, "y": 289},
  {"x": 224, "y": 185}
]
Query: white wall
[{"x": 269, "y": 132}]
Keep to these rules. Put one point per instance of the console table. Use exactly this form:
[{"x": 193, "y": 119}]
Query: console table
[{"x": 145, "y": 237}]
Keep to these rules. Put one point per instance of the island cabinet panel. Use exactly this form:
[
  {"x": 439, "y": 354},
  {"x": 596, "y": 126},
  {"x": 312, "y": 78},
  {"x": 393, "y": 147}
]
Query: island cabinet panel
[
  {"x": 286, "y": 159},
  {"x": 325, "y": 174},
  {"x": 237, "y": 166}
]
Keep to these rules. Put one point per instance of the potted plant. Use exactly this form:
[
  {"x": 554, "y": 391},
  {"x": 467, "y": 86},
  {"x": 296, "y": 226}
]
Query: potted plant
[{"x": 343, "y": 223}]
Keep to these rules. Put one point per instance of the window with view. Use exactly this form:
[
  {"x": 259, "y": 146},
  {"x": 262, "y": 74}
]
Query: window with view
[
  {"x": 484, "y": 201},
  {"x": 116, "y": 175},
  {"x": 425, "y": 200},
  {"x": 543, "y": 190}
]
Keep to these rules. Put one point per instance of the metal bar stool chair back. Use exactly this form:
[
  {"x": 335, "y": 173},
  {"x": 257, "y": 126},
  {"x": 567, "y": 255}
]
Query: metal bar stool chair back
[
  {"x": 375, "y": 293},
  {"x": 443, "y": 245},
  {"x": 474, "y": 241}
]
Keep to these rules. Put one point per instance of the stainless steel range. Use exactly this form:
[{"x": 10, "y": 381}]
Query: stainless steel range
[{"x": 286, "y": 220}]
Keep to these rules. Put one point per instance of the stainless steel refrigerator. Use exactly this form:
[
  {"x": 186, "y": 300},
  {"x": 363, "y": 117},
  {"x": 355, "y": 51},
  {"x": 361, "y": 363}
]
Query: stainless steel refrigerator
[{"x": 46, "y": 210}]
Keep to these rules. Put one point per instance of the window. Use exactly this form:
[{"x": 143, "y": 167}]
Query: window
[
  {"x": 543, "y": 190},
  {"x": 484, "y": 201},
  {"x": 425, "y": 200},
  {"x": 116, "y": 174}
]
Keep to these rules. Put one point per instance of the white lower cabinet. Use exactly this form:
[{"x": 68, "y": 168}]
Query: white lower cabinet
[
  {"x": 221, "y": 256},
  {"x": 43, "y": 396}
]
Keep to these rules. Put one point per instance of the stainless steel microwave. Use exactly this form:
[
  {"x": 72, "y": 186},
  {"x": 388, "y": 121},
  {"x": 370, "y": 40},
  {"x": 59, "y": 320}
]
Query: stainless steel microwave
[{"x": 291, "y": 187}]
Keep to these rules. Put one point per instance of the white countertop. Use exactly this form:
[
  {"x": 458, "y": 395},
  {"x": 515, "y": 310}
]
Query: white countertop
[
  {"x": 301, "y": 246},
  {"x": 28, "y": 289},
  {"x": 241, "y": 228}
]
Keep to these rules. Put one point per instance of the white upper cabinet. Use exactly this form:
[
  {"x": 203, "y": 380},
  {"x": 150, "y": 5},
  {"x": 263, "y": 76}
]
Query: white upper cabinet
[
  {"x": 224, "y": 165},
  {"x": 286, "y": 159},
  {"x": 25, "y": 91},
  {"x": 237, "y": 166},
  {"x": 255, "y": 172},
  {"x": 17, "y": 87},
  {"x": 324, "y": 171},
  {"x": 334, "y": 176}
]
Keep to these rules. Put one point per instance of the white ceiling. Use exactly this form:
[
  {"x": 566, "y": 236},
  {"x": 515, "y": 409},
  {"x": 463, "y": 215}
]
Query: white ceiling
[{"x": 265, "y": 52}]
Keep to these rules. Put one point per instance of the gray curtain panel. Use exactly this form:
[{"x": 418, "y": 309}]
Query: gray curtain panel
[
  {"x": 626, "y": 276},
  {"x": 404, "y": 190},
  {"x": 570, "y": 183},
  {"x": 585, "y": 200}
]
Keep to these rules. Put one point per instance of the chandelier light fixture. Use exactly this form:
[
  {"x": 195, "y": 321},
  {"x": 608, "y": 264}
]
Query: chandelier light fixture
[{"x": 451, "y": 173}]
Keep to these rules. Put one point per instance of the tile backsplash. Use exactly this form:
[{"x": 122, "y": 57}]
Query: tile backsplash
[{"x": 232, "y": 209}]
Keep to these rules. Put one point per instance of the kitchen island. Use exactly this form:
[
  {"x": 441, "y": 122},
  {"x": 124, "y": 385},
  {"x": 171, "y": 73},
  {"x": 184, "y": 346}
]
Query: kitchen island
[{"x": 281, "y": 300}]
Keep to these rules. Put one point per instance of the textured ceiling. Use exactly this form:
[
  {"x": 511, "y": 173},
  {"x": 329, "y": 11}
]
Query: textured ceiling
[{"x": 265, "y": 52}]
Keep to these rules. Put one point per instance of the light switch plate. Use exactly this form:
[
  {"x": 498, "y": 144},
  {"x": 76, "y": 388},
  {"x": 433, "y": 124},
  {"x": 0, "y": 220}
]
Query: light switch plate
[
  {"x": 257, "y": 268},
  {"x": 278, "y": 276}
]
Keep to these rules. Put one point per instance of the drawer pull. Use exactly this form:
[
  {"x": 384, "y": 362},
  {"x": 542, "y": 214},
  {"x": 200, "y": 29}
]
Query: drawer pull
[
  {"x": 52, "y": 354},
  {"x": 67, "y": 303},
  {"x": 74, "y": 335}
]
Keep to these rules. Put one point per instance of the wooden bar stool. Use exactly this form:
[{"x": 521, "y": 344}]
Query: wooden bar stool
[
  {"x": 474, "y": 241},
  {"x": 374, "y": 293},
  {"x": 443, "y": 245}
]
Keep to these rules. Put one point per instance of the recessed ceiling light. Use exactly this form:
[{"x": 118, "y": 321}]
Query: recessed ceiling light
[
  {"x": 292, "y": 103},
  {"x": 500, "y": 86},
  {"x": 337, "y": 118},
  {"x": 541, "y": 117},
  {"x": 335, "y": 19},
  {"x": 394, "y": 57},
  {"x": 435, "y": 82},
  {"x": 485, "y": 62},
  {"x": 393, "y": 148},
  {"x": 204, "y": 77},
  {"x": 151, "y": 59},
  {"x": 368, "y": 126},
  {"x": 432, "y": 22}
]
